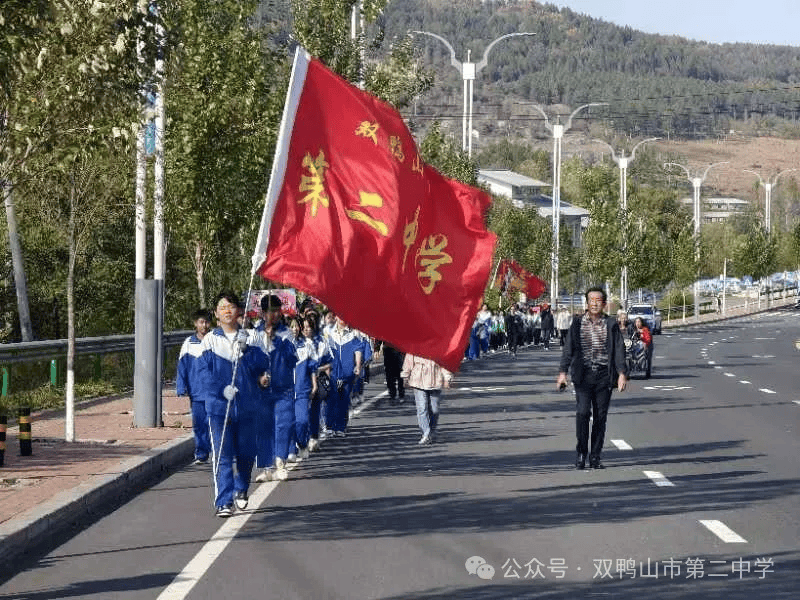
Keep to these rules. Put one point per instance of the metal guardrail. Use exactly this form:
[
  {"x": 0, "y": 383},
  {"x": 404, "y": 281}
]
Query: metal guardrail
[{"x": 49, "y": 349}]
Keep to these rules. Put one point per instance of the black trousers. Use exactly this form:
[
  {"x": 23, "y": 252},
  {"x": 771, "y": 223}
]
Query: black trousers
[
  {"x": 393, "y": 362},
  {"x": 593, "y": 396}
]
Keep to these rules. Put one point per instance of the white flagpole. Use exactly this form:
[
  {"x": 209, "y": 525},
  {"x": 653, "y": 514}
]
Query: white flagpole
[{"x": 296, "y": 82}]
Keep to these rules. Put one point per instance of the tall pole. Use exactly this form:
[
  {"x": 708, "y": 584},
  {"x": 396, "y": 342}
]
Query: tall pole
[
  {"x": 468, "y": 71},
  {"x": 622, "y": 162},
  {"x": 159, "y": 245},
  {"x": 558, "y": 131},
  {"x": 696, "y": 182},
  {"x": 768, "y": 186}
]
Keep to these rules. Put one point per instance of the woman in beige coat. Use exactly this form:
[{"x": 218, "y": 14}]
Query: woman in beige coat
[{"x": 427, "y": 379}]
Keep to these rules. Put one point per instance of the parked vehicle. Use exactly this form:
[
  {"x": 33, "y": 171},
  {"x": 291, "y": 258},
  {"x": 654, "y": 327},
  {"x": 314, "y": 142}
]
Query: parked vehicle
[{"x": 649, "y": 314}]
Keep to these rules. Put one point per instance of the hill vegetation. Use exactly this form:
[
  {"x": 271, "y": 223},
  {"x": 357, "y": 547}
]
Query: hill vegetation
[{"x": 654, "y": 85}]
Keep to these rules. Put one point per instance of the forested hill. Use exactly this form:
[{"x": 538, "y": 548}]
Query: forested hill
[{"x": 655, "y": 85}]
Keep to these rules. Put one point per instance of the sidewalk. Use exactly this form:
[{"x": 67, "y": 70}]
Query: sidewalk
[{"x": 63, "y": 483}]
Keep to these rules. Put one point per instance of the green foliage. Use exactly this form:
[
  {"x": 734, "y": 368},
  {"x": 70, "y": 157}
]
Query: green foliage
[
  {"x": 755, "y": 253},
  {"x": 446, "y": 156}
]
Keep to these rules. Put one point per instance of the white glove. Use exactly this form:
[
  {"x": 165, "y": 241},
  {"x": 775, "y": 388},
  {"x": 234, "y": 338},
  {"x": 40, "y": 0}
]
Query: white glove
[
  {"x": 241, "y": 340},
  {"x": 229, "y": 392}
]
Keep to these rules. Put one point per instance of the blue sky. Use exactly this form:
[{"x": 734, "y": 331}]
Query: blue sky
[{"x": 718, "y": 21}]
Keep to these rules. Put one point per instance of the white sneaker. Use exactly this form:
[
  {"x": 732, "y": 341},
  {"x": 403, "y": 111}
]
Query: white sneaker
[
  {"x": 265, "y": 475},
  {"x": 313, "y": 445},
  {"x": 292, "y": 457},
  {"x": 281, "y": 473},
  {"x": 425, "y": 440},
  {"x": 304, "y": 452},
  {"x": 240, "y": 500}
]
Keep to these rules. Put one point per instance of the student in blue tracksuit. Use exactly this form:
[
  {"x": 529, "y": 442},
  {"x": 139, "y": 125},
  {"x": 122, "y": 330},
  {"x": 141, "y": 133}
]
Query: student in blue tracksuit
[
  {"x": 322, "y": 367},
  {"x": 232, "y": 402},
  {"x": 305, "y": 382},
  {"x": 346, "y": 347},
  {"x": 188, "y": 384},
  {"x": 366, "y": 357},
  {"x": 283, "y": 358}
]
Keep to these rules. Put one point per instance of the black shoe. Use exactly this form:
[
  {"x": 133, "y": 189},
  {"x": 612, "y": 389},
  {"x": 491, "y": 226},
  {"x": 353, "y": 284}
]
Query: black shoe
[
  {"x": 580, "y": 461},
  {"x": 596, "y": 464}
]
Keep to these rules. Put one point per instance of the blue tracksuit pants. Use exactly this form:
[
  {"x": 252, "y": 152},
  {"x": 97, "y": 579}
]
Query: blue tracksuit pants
[
  {"x": 239, "y": 445},
  {"x": 284, "y": 422},
  {"x": 202, "y": 437}
]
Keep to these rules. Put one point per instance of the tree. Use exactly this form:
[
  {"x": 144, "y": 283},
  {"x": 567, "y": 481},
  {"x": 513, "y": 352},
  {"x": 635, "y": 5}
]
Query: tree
[
  {"x": 755, "y": 253},
  {"x": 79, "y": 90},
  {"x": 224, "y": 95}
]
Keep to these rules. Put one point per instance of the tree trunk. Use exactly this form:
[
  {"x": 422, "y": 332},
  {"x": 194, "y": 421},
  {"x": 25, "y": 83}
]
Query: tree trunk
[
  {"x": 20, "y": 282},
  {"x": 199, "y": 268},
  {"x": 69, "y": 434}
]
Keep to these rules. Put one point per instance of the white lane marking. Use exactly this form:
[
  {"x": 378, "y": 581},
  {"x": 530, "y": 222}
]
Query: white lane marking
[
  {"x": 712, "y": 362},
  {"x": 767, "y": 391},
  {"x": 717, "y": 367},
  {"x": 667, "y": 387},
  {"x": 659, "y": 479},
  {"x": 202, "y": 561},
  {"x": 213, "y": 548},
  {"x": 480, "y": 389},
  {"x": 796, "y": 401},
  {"x": 723, "y": 532},
  {"x": 622, "y": 444},
  {"x": 729, "y": 375},
  {"x": 745, "y": 382},
  {"x": 691, "y": 338},
  {"x": 766, "y": 338},
  {"x": 367, "y": 403}
]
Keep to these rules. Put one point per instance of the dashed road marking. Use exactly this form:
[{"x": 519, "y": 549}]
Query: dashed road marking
[
  {"x": 659, "y": 479},
  {"x": 745, "y": 382},
  {"x": 723, "y": 532},
  {"x": 767, "y": 391},
  {"x": 622, "y": 445},
  {"x": 729, "y": 375},
  {"x": 796, "y": 401}
]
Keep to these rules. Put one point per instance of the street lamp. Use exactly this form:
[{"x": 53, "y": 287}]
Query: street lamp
[
  {"x": 696, "y": 182},
  {"x": 558, "y": 131},
  {"x": 468, "y": 70},
  {"x": 623, "y": 162},
  {"x": 768, "y": 188}
]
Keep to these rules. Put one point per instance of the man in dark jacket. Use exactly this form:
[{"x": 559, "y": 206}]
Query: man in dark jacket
[
  {"x": 548, "y": 324},
  {"x": 594, "y": 357},
  {"x": 514, "y": 329}
]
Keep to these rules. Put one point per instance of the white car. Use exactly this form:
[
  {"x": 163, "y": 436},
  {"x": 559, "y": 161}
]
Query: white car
[{"x": 649, "y": 314}]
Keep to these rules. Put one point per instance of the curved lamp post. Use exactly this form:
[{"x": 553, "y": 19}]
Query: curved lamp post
[
  {"x": 468, "y": 70},
  {"x": 696, "y": 182},
  {"x": 771, "y": 183},
  {"x": 623, "y": 162},
  {"x": 558, "y": 131}
]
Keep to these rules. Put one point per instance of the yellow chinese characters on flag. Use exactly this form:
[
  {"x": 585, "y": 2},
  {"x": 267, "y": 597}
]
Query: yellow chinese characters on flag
[{"x": 361, "y": 222}]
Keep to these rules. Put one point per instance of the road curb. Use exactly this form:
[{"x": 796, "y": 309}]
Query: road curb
[{"x": 86, "y": 500}]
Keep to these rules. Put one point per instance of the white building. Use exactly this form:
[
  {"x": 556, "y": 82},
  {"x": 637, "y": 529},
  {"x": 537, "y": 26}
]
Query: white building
[
  {"x": 526, "y": 192},
  {"x": 718, "y": 210}
]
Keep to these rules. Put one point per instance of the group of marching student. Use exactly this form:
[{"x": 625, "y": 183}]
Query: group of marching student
[
  {"x": 257, "y": 393},
  {"x": 519, "y": 326}
]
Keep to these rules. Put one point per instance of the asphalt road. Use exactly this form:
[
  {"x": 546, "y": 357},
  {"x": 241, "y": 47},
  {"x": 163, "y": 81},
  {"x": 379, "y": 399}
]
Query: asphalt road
[{"x": 700, "y": 497}]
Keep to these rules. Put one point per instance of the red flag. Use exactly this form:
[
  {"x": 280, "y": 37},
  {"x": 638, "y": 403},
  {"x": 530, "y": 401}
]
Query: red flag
[
  {"x": 359, "y": 221},
  {"x": 511, "y": 277}
]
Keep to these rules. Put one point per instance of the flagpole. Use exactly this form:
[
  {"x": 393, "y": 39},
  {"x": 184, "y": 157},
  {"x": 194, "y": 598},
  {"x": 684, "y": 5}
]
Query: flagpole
[
  {"x": 494, "y": 276},
  {"x": 296, "y": 82}
]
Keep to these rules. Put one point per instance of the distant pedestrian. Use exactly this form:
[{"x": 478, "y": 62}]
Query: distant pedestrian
[
  {"x": 393, "y": 364},
  {"x": 562, "y": 324},
  {"x": 594, "y": 357},
  {"x": 188, "y": 384},
  {"x": 548, "y": 324},
  {"x": 514, "y": 329},
  {"x": 427, "y": 378}
]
